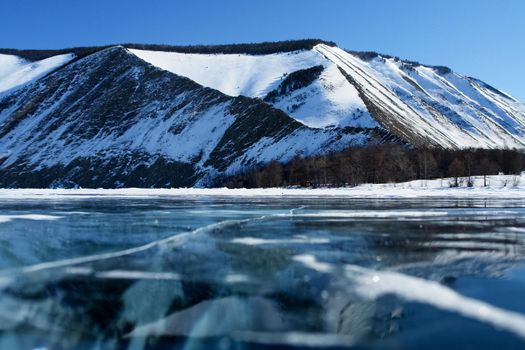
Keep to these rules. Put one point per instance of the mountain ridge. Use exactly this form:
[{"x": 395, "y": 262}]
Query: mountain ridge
[
  {"x": 260, "y": 48},
  {"x": 234, "y": 48}
]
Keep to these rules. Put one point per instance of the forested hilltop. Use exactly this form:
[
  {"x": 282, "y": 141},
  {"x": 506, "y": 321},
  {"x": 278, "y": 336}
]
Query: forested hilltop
[{"x": 380, "y": 164}]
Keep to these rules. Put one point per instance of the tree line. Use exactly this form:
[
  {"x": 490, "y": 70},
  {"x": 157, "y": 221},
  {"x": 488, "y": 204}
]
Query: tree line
[{"x": 379, "y": 164}]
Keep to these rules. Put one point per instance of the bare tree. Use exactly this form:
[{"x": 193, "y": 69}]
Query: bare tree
[{"x": 456, "y": 169}]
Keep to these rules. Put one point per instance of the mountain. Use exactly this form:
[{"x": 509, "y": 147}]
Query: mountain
[
  {"x": 161, "y": 116},
  {"x": 420, "y": 104}
]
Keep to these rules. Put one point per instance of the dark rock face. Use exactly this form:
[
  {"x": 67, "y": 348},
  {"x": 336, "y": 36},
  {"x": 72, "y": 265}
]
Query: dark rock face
[
  {"x": 256, "y": 116},
  {"x": 131, "y": 170},
  {"x": 295, "y": 81},
  {"x": 113, "y": 120}
]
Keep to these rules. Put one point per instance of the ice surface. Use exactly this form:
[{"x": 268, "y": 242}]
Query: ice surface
[
  {"x": 287, "y": 271},
  {"x": 373, "y": 284}
]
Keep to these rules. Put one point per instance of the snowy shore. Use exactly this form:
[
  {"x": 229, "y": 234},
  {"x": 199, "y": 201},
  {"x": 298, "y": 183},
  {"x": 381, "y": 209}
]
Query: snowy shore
[{"x": 497, "y": 186}]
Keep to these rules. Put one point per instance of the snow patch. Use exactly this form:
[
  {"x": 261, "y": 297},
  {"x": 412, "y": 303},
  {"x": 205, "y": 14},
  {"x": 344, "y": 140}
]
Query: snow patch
[
  {"x": 233, "y": 74},
  {"x": 263, "y": 241},
  {"x": 15, "y": 71},
  {"x": 34, "y": 217}
]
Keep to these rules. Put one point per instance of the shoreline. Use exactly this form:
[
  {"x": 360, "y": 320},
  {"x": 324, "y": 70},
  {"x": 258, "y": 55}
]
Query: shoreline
[
  {"x": 499, "y": 187},
  {"x": 364, "y": 192}
]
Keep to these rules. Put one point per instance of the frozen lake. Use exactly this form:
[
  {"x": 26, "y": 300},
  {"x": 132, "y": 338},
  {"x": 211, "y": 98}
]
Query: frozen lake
[{"x": 261, "y": 273}]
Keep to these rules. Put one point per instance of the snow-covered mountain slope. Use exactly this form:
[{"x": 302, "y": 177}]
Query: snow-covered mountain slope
[
  {"x": 15, "y": 71},
  {"x": 329, "y": 101},
  {"x": 420, "y": 104},
  {"x": 234, "y": 75},
  {"x": 431, "y": 105},
  {"x": 111, "y": 119},
  {"x": 116, "y": 117}
]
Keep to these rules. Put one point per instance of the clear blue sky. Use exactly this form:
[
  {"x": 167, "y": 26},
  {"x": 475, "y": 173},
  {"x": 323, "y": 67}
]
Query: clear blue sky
[{"x": 482, "y": 38}]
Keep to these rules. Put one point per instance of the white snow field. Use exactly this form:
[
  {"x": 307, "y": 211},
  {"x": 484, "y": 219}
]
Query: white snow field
[
  {"x": 329, "y": 101},
  {"x": 15, "y": 71},
  {"x": 498, "y": 186},
  {"x": 233, "y": 74}
]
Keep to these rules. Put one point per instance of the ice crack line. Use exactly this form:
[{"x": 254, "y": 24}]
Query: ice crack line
[
  {"x": 172, "y": 241},
  {"x": 292, "y": 211}
]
